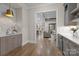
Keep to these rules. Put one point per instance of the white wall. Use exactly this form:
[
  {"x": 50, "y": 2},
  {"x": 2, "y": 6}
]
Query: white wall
[
  {"x": 25, "y": 26},
  {"x": 19, "y": 19},
  {"x": 51, "y": 14},
  {"x": 60, "y": 17},
  {"x": 3, "y": 8}
]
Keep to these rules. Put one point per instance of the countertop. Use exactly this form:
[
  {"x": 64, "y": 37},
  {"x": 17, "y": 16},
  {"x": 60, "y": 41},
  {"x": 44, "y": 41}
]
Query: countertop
[
  {"x": 9, "y": 34},
  {"x": 67, "y": 33}
]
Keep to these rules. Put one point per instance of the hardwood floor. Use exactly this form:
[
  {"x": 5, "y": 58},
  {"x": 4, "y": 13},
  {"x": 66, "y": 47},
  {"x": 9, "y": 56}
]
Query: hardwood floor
[{"x": 44, "y": 47}]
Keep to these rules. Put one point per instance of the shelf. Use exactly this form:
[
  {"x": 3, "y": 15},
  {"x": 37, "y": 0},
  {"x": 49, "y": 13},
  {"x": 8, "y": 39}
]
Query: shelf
[
  {"x": 76, "y": 10},
  {"x": 75, "y": 20}
]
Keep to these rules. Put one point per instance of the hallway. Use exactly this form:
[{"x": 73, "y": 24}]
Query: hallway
[{"x": 43, "y": 48}]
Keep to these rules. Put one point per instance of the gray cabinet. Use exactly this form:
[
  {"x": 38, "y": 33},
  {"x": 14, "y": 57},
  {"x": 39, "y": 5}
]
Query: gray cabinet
[
  {"x": 60, "y": 42},
  {"x": 67, "y": 15},
  {"x": 9, "y": 43},
  {"x": 74, "y": 49},
  {"x": 3, "y": 46},
  {"x": 19, "y": 40},
  {"x": 69, "y": 48},
  {"x": 65, "y": 47}
]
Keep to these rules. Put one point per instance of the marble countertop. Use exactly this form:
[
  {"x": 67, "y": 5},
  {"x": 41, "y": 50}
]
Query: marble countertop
[{"x": 67, "y": 33}]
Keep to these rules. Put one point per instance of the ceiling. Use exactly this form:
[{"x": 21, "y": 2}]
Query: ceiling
[
  {"x": 13, "y": 5},
  {"x": 32, "y": 5},
  {"x": 27, "y": 5},
  {"x": 35, "y": 4}
]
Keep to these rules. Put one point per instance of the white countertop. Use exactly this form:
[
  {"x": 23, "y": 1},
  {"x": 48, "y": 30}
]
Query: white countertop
[
  {"x": 67, "y": 33},
  {"x": 9, "y": 34}
]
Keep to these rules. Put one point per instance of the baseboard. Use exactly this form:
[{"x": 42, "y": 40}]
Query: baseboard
[
  {"x": 24, "y": 43},
  {"x": 28, "y": 42},
  {"x": 32, "y": 42}
]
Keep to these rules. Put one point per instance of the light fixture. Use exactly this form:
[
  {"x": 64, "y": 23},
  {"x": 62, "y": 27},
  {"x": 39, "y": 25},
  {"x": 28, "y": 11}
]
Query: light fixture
[{"x": 9, "y": 12}]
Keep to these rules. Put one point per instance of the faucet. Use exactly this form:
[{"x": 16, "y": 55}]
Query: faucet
[{"x": 74, "y": 29}]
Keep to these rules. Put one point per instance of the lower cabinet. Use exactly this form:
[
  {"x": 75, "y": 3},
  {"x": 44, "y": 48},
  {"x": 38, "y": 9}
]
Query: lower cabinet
[
  {"x": 69, "y": 48},
  {"x": 66, "y": 47},
  {"x": 60, "y": 42},
  {"x": 74, "y": 49},
  {"x": 9, "y": 43},
  {"x": 2, "y": 46}
]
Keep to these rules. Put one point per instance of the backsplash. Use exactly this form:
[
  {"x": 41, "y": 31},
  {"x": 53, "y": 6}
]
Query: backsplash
[{"x": 6, "y": 24}]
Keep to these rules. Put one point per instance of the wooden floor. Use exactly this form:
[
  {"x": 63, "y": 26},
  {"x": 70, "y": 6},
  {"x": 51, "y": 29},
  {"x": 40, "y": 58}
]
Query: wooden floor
[{"x": 44, "y": 47}]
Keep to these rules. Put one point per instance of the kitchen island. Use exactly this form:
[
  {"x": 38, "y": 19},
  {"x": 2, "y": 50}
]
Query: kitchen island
[{"x": 68, "y": 43}]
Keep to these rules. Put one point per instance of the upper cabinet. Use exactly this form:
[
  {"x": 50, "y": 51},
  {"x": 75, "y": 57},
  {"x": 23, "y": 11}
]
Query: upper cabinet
[{"x": 68, "y": 17}]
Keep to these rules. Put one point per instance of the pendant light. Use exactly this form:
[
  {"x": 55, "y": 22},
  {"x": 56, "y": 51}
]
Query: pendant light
[{"x": 9, "y": 12}]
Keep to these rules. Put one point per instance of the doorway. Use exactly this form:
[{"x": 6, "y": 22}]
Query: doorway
[{"x": 46, "y": 26}]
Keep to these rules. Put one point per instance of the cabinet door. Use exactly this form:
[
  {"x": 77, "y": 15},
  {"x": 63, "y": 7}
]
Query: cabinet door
[
  {"x": 10, "y": 43},
  {"x": 65, "y": 46},
  {"x": 6, "y": 45},
  {"x": 67, "y": 16},
  {"x": 13, "y": 42},
  {"x": 60, "y": 42},
  {"x": 19, "y": 40},
  {"x": 2, "y": 46},
  {"x": 14, "y": 38},
  {"x": 74, "y": 49},
  {"x": 77, "y": 50}
]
